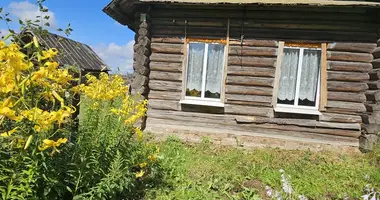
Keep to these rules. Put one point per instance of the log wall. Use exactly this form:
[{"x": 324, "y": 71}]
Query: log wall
[{"x": 253, "y": 46}]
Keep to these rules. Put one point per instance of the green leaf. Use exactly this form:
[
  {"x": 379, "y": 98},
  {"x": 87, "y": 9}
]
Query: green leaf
[
  {"x": 8, "y": 19},
  {"x": 59, "y": 29},
  {"x": 47, "y": 24},
  {"x": 1, "y": 9},
  {"x": 69, "y": 189},
  {"x": 20, "y": 22}
]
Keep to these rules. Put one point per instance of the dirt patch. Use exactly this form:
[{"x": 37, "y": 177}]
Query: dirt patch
[{"x": 257, "y": 185}]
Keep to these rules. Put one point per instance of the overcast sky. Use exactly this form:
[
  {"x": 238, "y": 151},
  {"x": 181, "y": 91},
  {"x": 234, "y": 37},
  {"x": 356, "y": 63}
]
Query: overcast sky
[{"x": 112, "y": 41}]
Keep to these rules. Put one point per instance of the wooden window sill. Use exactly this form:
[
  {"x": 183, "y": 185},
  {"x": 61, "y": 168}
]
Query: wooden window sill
[
  {"x": 202, "y": 102},
  {"x": 297, "y": 110}
]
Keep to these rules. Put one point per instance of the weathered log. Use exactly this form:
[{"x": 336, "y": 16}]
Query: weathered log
[
  {"x": 198, "y": 22},
  {"x": 374, "y": 75},
  {"x": 248, "y": 90},
  {"x": 299, "y": 122},
  {"x": 140, "y": 60},
  {"x": 163, "y": 104},
  {"x": 348, "y": 56},
  {"x": 141, "y": 40},
  {"x": 346, "y": 96},
  {"x": 346, "y": 86},
  {"x": 140, "y": 90},
  {"x": 141, "y": 50},
  {"x": 373, "y": 95},
  {"x": 349, "y": 66},
  {"x": 139, "y": 80},
  {"x": 167, "y": 48},
  {"x": 378, "y": 42},
  {"x": 251, "y": 81},
  {"x": 250, "y": 103},
  {"x": 164, "y": 95},
  {"x": 252, "y": 51},
  {"x": 160, "y": 57},
  {"x": 333, "y": 117},
  {"x": 190, "y": 31},
  {"x": 347, "y": 76},
  {"x": 165, "y": 66},
  {"x": 345, "y": 107},
  {"x": 376, "y": 63},
  {"x": 247, "y": 110},
  {"x": 254, "y": 43},
  {"x": 251, "y": 71},
  {"x": 165, "y": 85},
  {"x": 166, "y": 76},
  {"x": 171, "y": 40},
  {"x": 252, "y": 98},
  {"x": 251, "y": 61},
  {"x": 141, "y": 69},
  {"x": 352, "y": 47},
  {"x": 376, "y": 52},
  {"x": 374, "y": 85}
]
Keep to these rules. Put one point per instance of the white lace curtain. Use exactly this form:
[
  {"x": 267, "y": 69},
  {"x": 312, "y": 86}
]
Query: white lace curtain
[
  {"x": 214, "y": 68},
  {"x": 309, "y": 74},
  {"x": 195, "y": 66}
]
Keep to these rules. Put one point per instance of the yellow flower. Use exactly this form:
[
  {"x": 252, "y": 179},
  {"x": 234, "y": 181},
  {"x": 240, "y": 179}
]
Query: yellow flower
[
  {"x": 51, "y": 143},
  {"x": 5, "y": 110},
  {"x": 138, "y": 133},
  {"x": 152, "y": 157},
  {"x": 48, "y": 54},
  {"x": 8, "y": 133},
  {"x": 142, "y": 165},
  {"x": 51, "y": 65},
  {"x": 140, "y": 174}
]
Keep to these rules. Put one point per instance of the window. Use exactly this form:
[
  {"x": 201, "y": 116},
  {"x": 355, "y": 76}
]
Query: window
[
  {"x": 299, "y": 84},
  {"x": 205, "y": 63}
]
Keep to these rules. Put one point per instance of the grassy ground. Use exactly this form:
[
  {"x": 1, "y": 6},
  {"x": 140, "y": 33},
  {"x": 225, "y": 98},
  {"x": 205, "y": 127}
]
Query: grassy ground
[{"x": 204, "y": 171}]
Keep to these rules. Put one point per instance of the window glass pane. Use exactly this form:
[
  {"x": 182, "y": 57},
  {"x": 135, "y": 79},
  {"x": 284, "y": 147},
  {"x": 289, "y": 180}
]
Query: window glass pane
[
  {"x": 288, "y": 79},
  {"x": 311, "y": 63},
  {"x": 194, "y": 69},
  {"x": 214, "y": 70}
]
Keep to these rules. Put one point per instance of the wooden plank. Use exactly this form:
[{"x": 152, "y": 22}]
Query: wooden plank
[
  {"x": 165, "y": 76},
  {"x": 247, "y": 110},
  {"x": 167, "y": 48},
  {"x": 172, "y": 40},
  {"x": 165, "y": 66},
  {"x": 253, "y": 51},
  {"x": 250, "y": 81},
  {"x": 347, "y": 96},
  {"x": 348, "y": 56},
  {"x": 251, "y": 61},
  {"x": 346, "y": 86},
  {"x": 251, "y": 71},
  {"x": 225, "y": 63},
  {"x": 248, "y": 90},
  {"x": 253, "y": 98},
  {"x": 163, "y": 104},
  {"x": 345, "y": 107},
  {"x": 323, "y": 90},
  {"x": 161, "y": 57},
  {"x": 352, "y": 47},
  {"x": 349, "y": 66},
  {"x": 347, "y": 76},
  {"x": 254, "y": 43},
  {"x": 164, "y": 95},
  {"x": 165, "y": 85},
  {"x": 333, "y": 117}
]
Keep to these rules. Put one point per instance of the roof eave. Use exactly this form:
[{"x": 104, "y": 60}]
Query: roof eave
[{"x": 114, "y": 10}]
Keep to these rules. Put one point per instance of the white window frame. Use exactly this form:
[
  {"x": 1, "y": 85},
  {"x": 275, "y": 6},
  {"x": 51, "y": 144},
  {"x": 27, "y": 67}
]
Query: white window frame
[
  {"x": 295, "y": 108},
  {"x": 204, "y": 100}
]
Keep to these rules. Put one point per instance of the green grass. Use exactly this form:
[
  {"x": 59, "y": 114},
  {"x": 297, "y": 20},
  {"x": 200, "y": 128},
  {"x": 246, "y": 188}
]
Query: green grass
[{"x": 204, "y": 171}]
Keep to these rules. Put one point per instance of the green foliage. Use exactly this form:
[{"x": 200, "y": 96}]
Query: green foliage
[{"x": 201, "y": 172}]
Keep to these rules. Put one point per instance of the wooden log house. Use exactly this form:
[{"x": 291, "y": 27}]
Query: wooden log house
[{"x": 303, "y": 70}]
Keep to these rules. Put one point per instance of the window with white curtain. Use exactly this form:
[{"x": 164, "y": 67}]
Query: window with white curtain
[
  {"x": 299, "y": 80},
  {"x": 205, "y": 63}
]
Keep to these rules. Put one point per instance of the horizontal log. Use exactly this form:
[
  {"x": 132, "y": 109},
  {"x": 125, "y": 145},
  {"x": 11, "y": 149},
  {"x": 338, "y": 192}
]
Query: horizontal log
[
  {"x": 352, "y": 47},
  {"x": 165, "y": 85},
  {"x": 172, "y": 40},
  {"x": 346, "y": 86},
  {"x": 163, "y": 104},
  {"x": 164, "y": 95},
  {"x": 251, "y": 61},
  {"x": 346, "y": 96},
  {"x": 249, "y": 90},
  {"x": 253, "y": 51},
  {"x": 167, "y": 48},
  {"x": 248, "y": 98},
  {"x": 333, "y": 117},
  {"x": 198, "y": 31},
  {"x": 250, "y": 103},
  {"x": 376, "y": 63},
  {"x": 250, "y": 81},
  {"x": 345, "y": 107},
  {"x": 374, "y": 85},
  {"x": 376, "y": 52},
  {"x": 348, "y": 56},
  {"x": 247, "y": 110},
  {"x": 207, "y": 22},
  {"x": 160, "y": 57},
  {"x": 251, "y": 71},
  {"x": 165, "y": 66},
  {"x": 347, "y": 76},
  {"x": 254, "y": 43},
  {"x": 299, "y": 122},
  {"x": 166, "y": 76},
  {"x": 349, "y": 66}
]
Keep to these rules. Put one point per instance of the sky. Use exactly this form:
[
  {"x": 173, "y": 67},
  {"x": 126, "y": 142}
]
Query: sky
[{"x": 112, "y": 41}]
